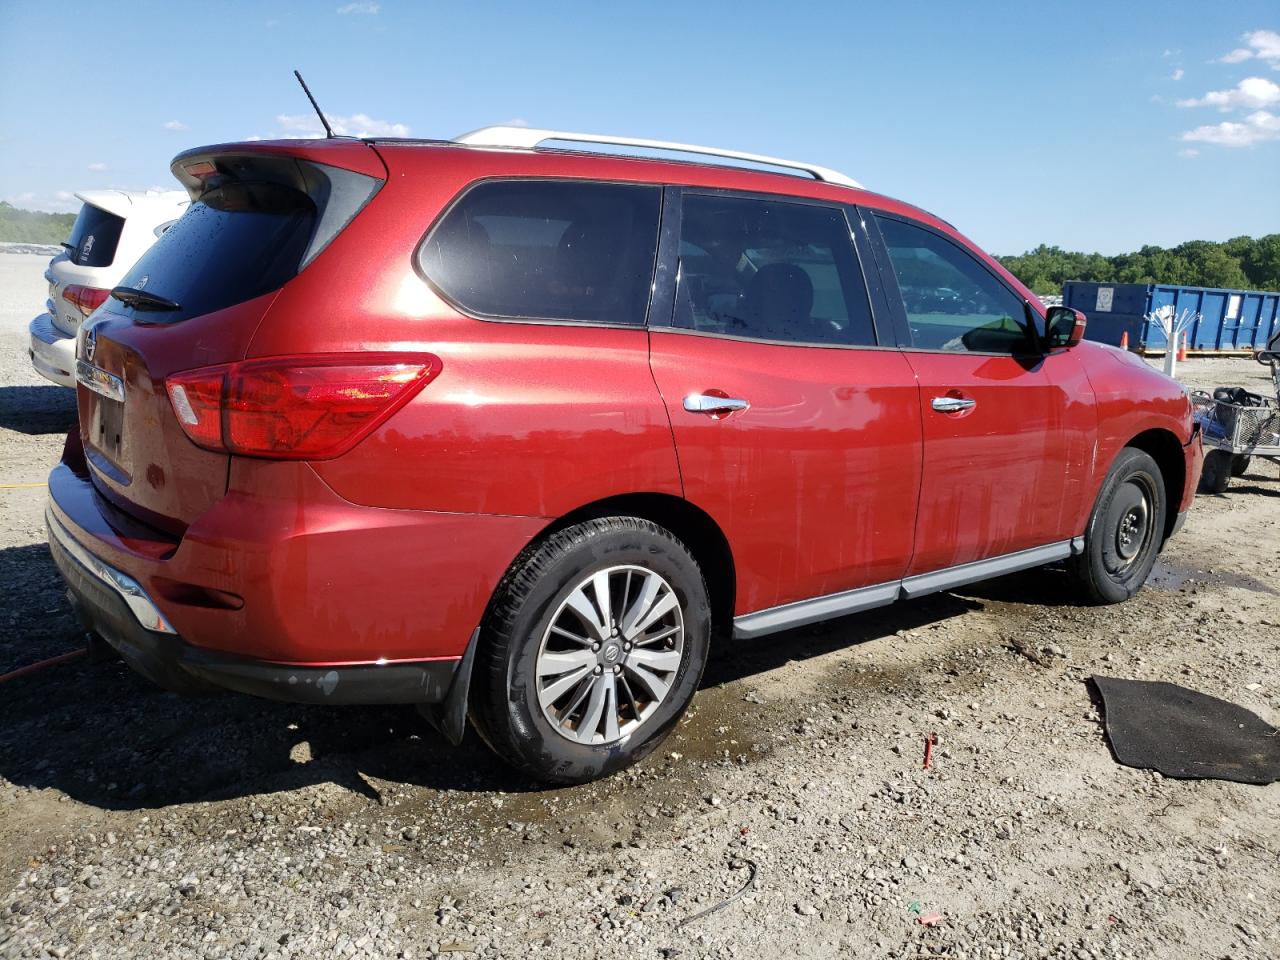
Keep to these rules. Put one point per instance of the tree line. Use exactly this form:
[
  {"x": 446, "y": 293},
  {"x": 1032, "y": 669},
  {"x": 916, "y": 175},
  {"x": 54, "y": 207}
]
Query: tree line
[
  {"x": 1243, "y": 263},
  {"x": 33, "y": 226}
]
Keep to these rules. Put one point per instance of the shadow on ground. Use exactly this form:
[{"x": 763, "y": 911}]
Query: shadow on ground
[
  {"x": 37, "y": 410},
  {"x": 104, "y": 736}
]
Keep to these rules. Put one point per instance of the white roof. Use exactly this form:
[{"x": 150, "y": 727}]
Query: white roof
[{"x": 528, "y": 138}]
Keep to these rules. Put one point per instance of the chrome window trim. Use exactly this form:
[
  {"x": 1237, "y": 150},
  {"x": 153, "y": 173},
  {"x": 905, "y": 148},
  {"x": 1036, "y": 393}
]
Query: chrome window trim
[
  {"x": 129, "y": 590},
  {"x": 801, "y": 612}
]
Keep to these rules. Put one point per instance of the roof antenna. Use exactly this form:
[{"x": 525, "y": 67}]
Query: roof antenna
[{"x": 328, "y": 130}]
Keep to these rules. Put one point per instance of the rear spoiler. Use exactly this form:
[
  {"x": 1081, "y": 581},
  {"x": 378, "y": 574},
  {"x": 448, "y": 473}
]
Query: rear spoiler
[{"x": 340, "y": 177}]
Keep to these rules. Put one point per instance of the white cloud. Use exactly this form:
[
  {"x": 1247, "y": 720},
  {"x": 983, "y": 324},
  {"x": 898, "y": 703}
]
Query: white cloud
[
  {"x": 1188, "y": 152},
  {"x": 1249, "y": 94},
  {"x": 1177, "y": 74},
  {"x": 514, "y": 122},
  {"x": 97, "y": 167},
  {"x": 176, "y": 125},
  {"x": 355, "y": 125},
  {"x": 1169, "y": 52},
  {"x": 365, "y": 7},
  {"x": 1257, "y": 127},
  {"x": 1259, "y": 44}
]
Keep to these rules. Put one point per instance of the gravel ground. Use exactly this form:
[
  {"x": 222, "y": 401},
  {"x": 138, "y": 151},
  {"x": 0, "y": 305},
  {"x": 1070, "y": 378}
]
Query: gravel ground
[{"x": 136, "y": 824}]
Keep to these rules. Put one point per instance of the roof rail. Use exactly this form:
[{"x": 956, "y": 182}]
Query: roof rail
[{"x": 527, "y": 138}]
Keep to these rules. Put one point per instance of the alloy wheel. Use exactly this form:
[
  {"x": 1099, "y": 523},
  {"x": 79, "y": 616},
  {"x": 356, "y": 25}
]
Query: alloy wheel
[{"x": 610, "y": 655}]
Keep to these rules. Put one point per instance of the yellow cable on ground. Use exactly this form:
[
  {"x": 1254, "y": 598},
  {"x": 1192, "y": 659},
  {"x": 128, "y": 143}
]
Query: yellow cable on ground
[{"x": 22, "y": 486}]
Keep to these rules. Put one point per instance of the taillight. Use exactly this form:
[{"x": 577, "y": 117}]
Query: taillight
[
  {"x": 85, "y": 299},
  {"x": 295, "y": 408}
]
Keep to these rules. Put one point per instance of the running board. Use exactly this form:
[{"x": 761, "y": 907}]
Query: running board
[{"x": 791, "y": 615}]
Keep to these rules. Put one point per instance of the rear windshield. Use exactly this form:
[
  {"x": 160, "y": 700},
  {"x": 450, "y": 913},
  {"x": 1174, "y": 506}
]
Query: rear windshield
[
  {"x": 94, "y": 237},
  {"x": 235, "y": 243}
]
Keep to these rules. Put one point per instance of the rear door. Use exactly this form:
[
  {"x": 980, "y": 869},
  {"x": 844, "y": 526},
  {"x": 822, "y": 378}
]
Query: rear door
[
  {"x": 1003, "y": 456},
  {"x": 795, "y": 429}
]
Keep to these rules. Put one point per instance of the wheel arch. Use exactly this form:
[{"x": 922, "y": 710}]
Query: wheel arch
[
  {"x": 690, "y": 524},
  {"x": 1165, "y": 449}
]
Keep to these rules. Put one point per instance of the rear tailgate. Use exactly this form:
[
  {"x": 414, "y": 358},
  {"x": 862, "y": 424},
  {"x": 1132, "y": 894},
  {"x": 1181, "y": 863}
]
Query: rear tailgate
[{"x": 195, "y": 299}]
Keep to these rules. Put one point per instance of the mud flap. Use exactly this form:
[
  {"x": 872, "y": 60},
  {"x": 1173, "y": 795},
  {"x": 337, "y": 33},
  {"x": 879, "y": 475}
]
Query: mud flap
[{"x": 449, "y": 716}]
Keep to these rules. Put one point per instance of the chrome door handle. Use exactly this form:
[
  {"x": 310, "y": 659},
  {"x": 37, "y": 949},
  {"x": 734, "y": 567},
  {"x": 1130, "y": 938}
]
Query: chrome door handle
[
  {"x": 952, "y": 404},
  {"x": 704, "y": 403}
]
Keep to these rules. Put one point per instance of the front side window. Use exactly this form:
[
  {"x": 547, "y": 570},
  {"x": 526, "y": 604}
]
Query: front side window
[
  {"x": 770, "y": 270},
  {"x": 952, "y": 302},
  {"x": 552, "y": 250}
]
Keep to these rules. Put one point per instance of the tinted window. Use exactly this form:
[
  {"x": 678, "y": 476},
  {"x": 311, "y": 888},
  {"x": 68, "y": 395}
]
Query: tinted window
[
  {"x": 94, "y": 237},
  {"x": 953, "y": 303},
  {"x": 770, "y": 270},
  {"x": 235, "y": 243},
  {"x": 548, "y": 250}
]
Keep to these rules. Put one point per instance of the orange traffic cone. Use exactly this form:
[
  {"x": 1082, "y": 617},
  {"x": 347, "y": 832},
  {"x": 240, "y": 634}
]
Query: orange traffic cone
[
  {"x": 1182, "y": 348},
  {"x": 1124, "y": 340}
]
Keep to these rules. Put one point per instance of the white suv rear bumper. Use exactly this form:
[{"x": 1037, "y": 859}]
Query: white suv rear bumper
[{"x": 53, "y": 353}]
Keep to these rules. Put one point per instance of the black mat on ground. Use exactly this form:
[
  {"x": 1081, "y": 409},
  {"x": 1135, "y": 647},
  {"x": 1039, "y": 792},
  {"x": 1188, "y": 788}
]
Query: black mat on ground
[{"x": 1187, "y": 735}]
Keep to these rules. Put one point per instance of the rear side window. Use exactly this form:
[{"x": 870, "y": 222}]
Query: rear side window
[
  {"x": 770, "y": 270},
  {"x": 552, "y": 250},
  {"x": 235, "y": 243},
  {"x": 94, "y": 237},
  {"x": 953, "y": 303}
]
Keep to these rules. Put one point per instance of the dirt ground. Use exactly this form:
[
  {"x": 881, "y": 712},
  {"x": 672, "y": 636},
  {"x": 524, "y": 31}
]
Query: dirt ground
[{"x": 136, "y": 824}]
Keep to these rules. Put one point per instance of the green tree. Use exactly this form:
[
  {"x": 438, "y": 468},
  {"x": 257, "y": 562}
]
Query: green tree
[{"x": 1241, "y": 263}]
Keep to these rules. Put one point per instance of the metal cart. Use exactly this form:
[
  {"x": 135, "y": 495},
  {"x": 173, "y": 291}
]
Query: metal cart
[{"x": 1237, "y": 426}]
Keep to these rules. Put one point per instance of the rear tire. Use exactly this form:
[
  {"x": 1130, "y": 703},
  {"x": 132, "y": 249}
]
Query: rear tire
[
  {"x": 1125, "y": 531},
  {"x": 567, "y": 693},
  {"x": 1217, "y": 471},
  {"x": 1240, "y": 465}
]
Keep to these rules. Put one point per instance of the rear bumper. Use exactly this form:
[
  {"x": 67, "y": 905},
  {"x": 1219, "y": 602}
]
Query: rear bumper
[
  {"x": 115, "y": 607},
  {"x": 284, "y": 590},
  {"x": 52, "y": 352}
]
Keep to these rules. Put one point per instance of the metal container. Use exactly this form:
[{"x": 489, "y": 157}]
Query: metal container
[{"x": 1230, "y": 320}]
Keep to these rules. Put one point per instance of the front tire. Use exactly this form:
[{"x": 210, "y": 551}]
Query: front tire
[
  {"x": 1125, "y": 530},
  {"x": 591, "y": 650}
]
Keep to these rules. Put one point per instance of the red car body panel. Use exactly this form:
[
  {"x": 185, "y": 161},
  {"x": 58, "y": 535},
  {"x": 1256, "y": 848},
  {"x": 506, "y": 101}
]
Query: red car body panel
[
  {"x": 810, "y": 484},
  {"x": 839, "y": 476},
  {"x": 1009, "y": 473},
  {"x": 283, "y": 569},
  {"x": 1132, "y": 399}
]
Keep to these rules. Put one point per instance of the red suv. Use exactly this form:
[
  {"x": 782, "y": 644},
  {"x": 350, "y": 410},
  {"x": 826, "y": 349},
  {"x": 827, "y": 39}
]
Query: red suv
[{"x": 512, "y": 433}]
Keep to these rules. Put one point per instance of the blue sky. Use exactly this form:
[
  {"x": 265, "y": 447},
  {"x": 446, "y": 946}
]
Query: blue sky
[{"x": 1091, "y": 125}]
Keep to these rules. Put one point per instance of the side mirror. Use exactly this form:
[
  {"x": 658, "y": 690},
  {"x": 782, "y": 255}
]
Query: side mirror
[{"x": 1064, "y": 328}]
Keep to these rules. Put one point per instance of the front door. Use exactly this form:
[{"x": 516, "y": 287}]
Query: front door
[
  {"x": 1002, "y": 464},
  {"x": 794, "y": 429}
]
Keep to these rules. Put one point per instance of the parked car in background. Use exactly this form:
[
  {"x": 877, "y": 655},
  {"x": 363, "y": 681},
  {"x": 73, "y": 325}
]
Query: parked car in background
[
  {"x": 113, "y": 229},
  {"x": 513, "y": 433}
]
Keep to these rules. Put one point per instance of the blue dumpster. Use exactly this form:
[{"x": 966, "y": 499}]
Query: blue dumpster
[{"x": 1230, "y": 320}]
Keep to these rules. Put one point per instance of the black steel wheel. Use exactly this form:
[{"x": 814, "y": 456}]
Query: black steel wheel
[{"x": 1125, "y": 530}]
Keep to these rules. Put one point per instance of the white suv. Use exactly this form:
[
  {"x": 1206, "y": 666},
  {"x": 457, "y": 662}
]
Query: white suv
[{"x": 113, "y": 230}]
